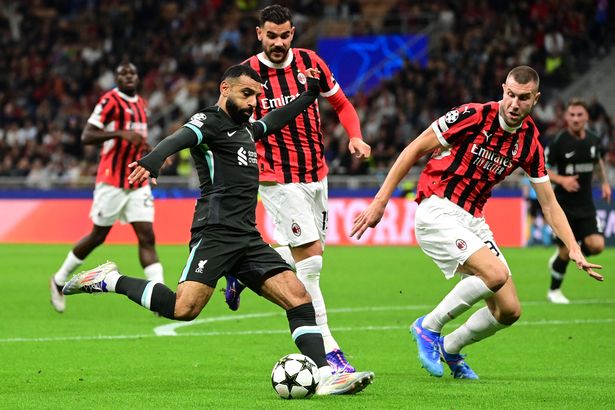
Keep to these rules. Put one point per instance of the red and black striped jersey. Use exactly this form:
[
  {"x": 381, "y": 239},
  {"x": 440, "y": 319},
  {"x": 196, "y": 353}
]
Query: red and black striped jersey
[
  {"x": 480, "y": 150},
  {"x": 117, "y": 111},
  {"x": 296, "y": 153}
]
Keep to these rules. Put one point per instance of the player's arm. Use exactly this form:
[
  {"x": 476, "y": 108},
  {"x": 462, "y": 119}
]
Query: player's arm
[
  {"x": 350, "y": 121},
  {"x": 604, "y": 182},
  {"x": 569, "y": 182},
  {"x": 95, "y": 135},
  {"x": 280, "y": 117},
  {"x": 150, "y": 164},
  {"x": 369, "y": 218},
  {"x": 555, "y": 217}
]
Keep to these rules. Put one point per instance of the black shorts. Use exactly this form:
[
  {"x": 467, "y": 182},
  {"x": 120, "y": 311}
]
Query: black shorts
[
  {"x": 582, "y": 226},
  {"x": 217, "y": 251}
]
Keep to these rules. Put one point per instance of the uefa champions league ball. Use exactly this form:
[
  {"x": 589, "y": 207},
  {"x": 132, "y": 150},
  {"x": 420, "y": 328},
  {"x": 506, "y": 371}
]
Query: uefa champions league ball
[{"x": 295, "y": 376}]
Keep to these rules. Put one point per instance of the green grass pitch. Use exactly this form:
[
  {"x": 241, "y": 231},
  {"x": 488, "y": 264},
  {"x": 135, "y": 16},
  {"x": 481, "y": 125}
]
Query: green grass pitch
[{"x": 103, "y": 352}]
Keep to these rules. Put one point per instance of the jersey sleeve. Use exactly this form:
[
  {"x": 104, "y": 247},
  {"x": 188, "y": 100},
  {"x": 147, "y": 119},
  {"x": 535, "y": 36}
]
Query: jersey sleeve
[
  {"x": 328, "y": 84},
  {"x": 202, "y": 126},
  {"x": 104, "y": 112},
  {"x": 455, "y": 124},
  {"x": 534, "y": 166}
]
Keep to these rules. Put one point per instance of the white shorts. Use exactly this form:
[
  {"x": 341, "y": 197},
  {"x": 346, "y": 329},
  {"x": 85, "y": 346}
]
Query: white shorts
[
  {"x": 299, "y": 211},
  {"x": 449, "y": 234},
  {"x": 126, "y": 205}
]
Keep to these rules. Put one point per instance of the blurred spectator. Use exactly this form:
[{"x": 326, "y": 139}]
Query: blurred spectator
[{"x": 58, "y": 57}]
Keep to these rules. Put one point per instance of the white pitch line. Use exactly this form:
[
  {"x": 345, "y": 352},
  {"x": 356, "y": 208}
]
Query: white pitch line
[
  {"x": 169, "y": 329},
  {"x": 277, "y": 331}
]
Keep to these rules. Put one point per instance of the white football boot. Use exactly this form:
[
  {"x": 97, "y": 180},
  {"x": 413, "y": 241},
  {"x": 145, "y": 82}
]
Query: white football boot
[
  {"x": 344, "y": 383},
  {"x": 90, "y": 281}
]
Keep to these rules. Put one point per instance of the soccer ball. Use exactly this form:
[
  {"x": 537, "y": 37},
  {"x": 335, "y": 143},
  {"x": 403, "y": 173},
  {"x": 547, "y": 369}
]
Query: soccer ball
[{"x": 295, "y": 376}]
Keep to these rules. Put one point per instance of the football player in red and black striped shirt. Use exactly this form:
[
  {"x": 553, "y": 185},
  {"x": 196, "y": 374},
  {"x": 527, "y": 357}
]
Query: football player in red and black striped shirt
[
  {"x": 119, "y": 123},
  {"x": 473, "y": 147},
  {"x": 291, "y": 162}
]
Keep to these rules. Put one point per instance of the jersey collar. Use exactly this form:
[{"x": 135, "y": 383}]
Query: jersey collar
[
  {"x": 263, "y": 59},
  {"x": 503, "y": 124},
  {"x": 127, "y": 97}
]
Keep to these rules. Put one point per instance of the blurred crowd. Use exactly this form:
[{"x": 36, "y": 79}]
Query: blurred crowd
[{"x": 59, "y": 57}]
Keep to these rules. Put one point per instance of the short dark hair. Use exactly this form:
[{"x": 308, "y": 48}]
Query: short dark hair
[
  {"x": 524, "y": 74},
  {"x": 236, "y": 71},
  {"x": 125, "y": 64},
  {"x": 577, "y": 102},
  {"x": 276, "y": 14}
]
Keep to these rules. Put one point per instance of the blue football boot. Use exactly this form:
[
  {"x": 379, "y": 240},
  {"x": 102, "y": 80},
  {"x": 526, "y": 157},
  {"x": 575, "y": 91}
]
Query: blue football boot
[
  {"x": 427, "y": 345},
  {"x": 233, "y": 291},
  {"x": 457, "y": 364}
]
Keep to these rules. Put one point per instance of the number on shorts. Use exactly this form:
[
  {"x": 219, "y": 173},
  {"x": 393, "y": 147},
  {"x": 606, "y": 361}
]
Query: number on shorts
[
  {"x": 325, "y": 219},
  {"x": 493, "y": 248}
]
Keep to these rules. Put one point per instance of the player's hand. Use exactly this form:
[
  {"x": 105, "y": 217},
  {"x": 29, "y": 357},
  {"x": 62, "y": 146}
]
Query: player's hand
[
  {"x": 132, "y": 136},
  {"x": 312, "y": 73},
  {"x": 606, "y": 192},
  {"x": 571, "y": 183},
  {"x": 139, "y": 174},
  {"x": 369, "y": 218},
  {"x": 581, "y": 263},
  {"x": 167, "y": 163},
  {"x": 359, "y": 148}
]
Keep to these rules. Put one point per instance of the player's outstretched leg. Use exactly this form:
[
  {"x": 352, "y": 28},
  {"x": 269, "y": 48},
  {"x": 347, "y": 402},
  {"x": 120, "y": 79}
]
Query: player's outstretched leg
[
  {"x": 457, "y": 364},
  {"x": 233, "y": 291},
  {"x": 428, "y": 348},
  {"x": 106, "y": 278}
]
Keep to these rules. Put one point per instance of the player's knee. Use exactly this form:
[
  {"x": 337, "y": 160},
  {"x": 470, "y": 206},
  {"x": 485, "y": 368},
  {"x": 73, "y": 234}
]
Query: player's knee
[
  {"x": 187, "y": 310},
  {"x": 510, "y": 314},
  {"x": 97, "y": 238},
  {"x": 595, "y": 247},
  {"x": 146, "y": 237},
  {"x": 495, "y": 276}
]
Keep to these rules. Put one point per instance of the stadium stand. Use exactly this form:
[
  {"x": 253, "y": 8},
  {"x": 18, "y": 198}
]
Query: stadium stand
[{"x": 59, "y": 56}]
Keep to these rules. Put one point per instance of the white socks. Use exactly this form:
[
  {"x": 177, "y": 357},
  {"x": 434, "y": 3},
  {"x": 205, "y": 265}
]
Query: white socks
[
  {"x": 308, "y": 272},
  {"x": 111, "y": 280},
  {"x": 287, "y": 255},
  {"x": 479, "y": 326},
  {"x": 154, "y": 272},
  {"x": 465, "y": 294},
  {"x": 70, "y": 264}
]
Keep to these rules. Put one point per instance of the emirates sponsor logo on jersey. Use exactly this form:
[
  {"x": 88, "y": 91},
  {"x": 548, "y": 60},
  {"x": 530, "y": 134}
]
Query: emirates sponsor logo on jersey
[
  {"x": 272, "y": 103},
  {"x": 490, "y": 160}
]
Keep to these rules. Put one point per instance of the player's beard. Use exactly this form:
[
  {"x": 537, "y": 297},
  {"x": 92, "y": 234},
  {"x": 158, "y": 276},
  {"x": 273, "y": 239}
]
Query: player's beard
[
  {"x": 237, "y": 114},
  {"x": 281, "y": 50}
]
